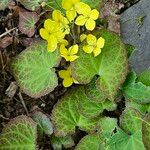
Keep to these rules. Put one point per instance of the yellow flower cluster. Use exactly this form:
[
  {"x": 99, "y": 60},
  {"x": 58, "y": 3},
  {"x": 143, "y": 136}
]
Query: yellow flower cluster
[
  {"x": 86, "y": 16},
  {"x": 60, "y": 25},
  {"x": 55, "y": 30}
]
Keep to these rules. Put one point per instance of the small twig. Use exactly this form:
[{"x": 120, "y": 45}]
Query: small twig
[
  {"x": 7, "y": 32},
  {"x": 23, "y": 103},
  {"x": 1, "y": 116}
]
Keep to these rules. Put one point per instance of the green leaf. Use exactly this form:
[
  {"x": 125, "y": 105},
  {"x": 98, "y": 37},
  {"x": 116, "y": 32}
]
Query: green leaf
[
  {"x": 146, "y": 131},
  {"x": 58, "y": 143},
  {"x": 142, "y": 108},
  {"x": 107, "y": 126},
  {"x": 90, "y": 142},
  {"x": 138, "y": 92},
  {"x": 43, "y": 121},
  {"x": 20, "y": 133},
  {"x": 145, "y": 77},
  {"x": 97, "y": 141},
  {"x": 123, "y": 141},
  {"x": 27, "y": 21},
  {"x": 91, "y": 109},
  {"x": 66, "y": 117},
  {"x": 34, "y": 70},
  {"x": 93, "y": 3},
  {"x": 131, "y": 79},
  {"x": 130, "y": 120},
  {"x": 130, "y": 49},
  {"x": 32, "y": 4},
  {"x": 4, "y": 4},
  {"x": 93, "y": 93},
  {"x": 111, "y": 65}
]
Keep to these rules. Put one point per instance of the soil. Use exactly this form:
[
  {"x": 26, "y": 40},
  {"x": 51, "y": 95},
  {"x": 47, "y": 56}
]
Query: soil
[{"x": 20, "y": 103}]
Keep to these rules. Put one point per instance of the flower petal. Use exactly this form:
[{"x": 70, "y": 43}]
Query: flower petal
[
  {"x": 90, "y": 24},
  {"x": 80, "y": 21},
  {"x": 83, "y": 37},
  {"x": 96, "y": 51},
  {"x": 94, "y": 14},
  {"x": 71, "y": 14},
  {"x": 66, "y": 4},
  {"x": 73, "y": 49},
  {"x": 67, "y": 82},
  {"x": 73, "y": 58},
  {"x": 44, "y": 34},
  {"x": 63, "y": 50},
  {"x": 52, "y": 43},
  {"x": 88, "y": 48},
  {"x": 91, "y": 39},
  {"x": 57, "y": 16},
  {"x": 100, "y": 42},
  {"x": 83, "y": 8},
  {"x": 49, "y": 25}
]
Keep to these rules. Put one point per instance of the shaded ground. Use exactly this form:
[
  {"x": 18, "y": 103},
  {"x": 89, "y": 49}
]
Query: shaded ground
[{"x": 19, "y": 103}]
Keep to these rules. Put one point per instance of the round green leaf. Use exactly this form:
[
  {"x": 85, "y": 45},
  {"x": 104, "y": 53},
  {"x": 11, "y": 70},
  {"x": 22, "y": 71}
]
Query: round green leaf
[
  {"x": 111, "y": 65},
  {"x": 66, "y": 117},
  {"x": 20, "y": 133},
  {"x": 34, "y": 70}
]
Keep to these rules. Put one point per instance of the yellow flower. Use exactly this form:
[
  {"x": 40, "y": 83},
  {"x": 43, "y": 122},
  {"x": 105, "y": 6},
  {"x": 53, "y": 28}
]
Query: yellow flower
[
  {"x": 87, "y": 16},
  {"x": 52, "y": 34},
  {"x": 68, "y": 80},
  {"x": 69, "y": 54},
  {"x": 94, "y": 45},
  {"x": 70, "y": 7},
  {"x": 61, "y": 20}
]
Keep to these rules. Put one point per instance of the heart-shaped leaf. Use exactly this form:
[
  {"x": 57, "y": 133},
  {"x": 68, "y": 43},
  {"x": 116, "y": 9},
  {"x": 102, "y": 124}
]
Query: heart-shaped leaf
[
  {"x": 20, "y": 133},
  {"x": 27, "y": 21},
  {"x": 130, "y": 120},
  {"x": 111, "y": 65},
  {"x": 34, "y": 70},
  {"x": 66, "y": 117},
  {"x": 146, "y": 131}
]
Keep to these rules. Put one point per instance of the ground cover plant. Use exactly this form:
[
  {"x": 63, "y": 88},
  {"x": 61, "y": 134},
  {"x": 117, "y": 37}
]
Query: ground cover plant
[{"x": 105, "y": 104}]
